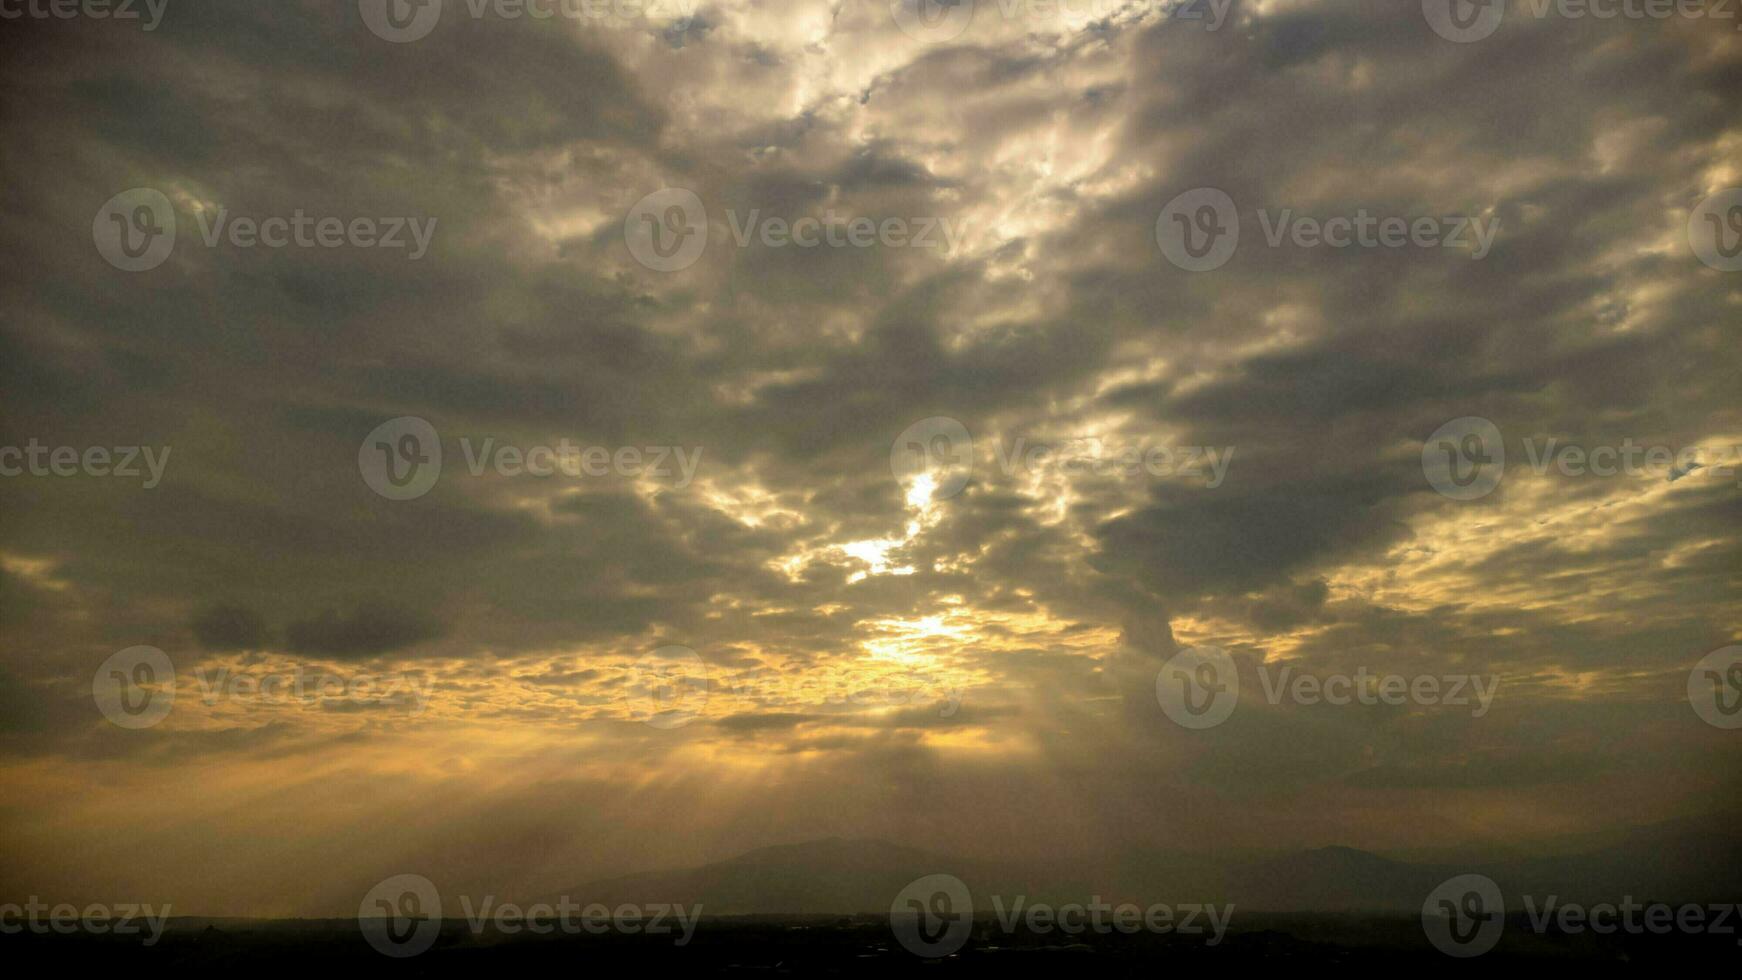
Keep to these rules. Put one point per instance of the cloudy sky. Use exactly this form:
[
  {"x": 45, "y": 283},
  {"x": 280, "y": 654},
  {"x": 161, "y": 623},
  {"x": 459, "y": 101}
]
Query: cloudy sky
[{"x": 741, "y": 608}]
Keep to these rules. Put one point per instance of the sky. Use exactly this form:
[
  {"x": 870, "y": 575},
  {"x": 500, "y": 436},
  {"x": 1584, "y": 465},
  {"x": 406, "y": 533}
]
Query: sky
[{"x": 847, "y": 414}]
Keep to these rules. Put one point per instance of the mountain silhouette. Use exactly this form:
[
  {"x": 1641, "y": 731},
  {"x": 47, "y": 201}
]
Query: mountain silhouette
[{"x": 1681, "y": 862}]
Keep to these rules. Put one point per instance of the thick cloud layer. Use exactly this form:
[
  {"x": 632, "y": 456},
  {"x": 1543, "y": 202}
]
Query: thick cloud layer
[{"x": 971, "y": 671}]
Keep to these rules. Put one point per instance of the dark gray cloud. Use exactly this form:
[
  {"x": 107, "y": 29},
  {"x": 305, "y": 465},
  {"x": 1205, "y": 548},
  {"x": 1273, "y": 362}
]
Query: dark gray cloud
[{"x": 832, "y": 612}]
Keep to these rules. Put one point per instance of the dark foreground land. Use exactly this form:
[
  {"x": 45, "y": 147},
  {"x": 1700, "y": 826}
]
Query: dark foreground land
[{"x": 861, "y": 946}]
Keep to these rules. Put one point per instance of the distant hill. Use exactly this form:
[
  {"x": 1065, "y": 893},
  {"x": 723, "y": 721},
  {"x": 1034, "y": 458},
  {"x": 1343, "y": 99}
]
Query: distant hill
[
  {"x": 830, "y": 876},
  {"x": 833, "y": 876}
]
